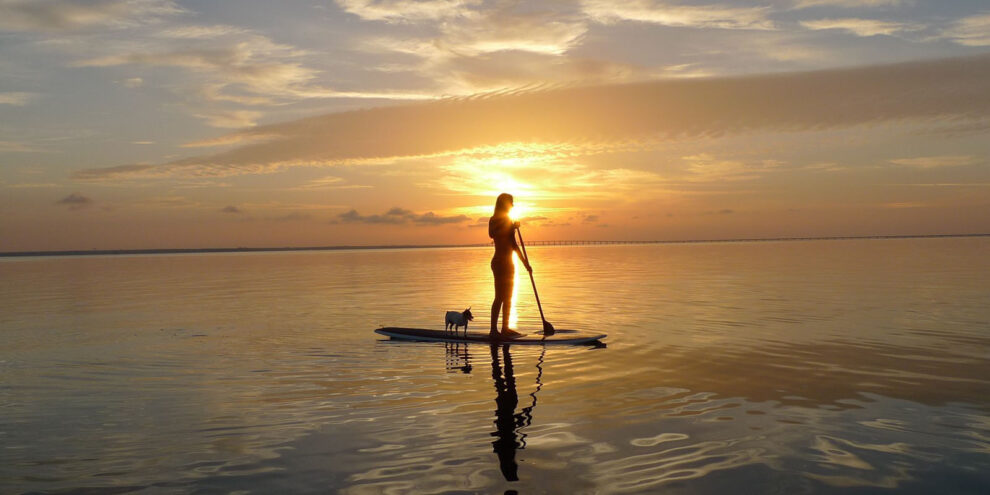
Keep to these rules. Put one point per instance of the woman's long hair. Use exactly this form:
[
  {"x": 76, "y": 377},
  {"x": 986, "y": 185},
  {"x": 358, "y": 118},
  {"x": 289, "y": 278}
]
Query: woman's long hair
[{"x": 502, "y": 206}]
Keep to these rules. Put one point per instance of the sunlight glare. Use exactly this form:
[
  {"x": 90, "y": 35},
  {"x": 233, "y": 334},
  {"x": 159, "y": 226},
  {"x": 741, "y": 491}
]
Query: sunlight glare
[{"x": 519, "y": 210}]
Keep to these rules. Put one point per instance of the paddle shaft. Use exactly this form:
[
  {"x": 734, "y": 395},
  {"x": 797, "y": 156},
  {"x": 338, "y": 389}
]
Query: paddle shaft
[{"x": 531, "y": 279}]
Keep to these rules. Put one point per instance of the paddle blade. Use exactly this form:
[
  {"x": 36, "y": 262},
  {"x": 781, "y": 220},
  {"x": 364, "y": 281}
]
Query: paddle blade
[{"x": 547, "y": 328}]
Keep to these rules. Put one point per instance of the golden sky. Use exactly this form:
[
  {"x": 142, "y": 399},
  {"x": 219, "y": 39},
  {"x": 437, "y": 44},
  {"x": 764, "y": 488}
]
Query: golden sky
[{"x": 166, "y": 124}]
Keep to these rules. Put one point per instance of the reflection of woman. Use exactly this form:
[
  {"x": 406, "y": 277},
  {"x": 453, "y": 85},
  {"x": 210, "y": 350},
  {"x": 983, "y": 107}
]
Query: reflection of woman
[
  {"x": 503, "y": 233},
  {"x": 506, "y": 399},
  {"x": 508, "y": 424}
]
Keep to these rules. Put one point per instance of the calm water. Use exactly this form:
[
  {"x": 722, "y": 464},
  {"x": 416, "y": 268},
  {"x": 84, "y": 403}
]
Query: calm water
[{"x": 776, "y": 367}]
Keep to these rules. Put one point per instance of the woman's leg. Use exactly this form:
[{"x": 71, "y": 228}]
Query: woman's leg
[
  {"x": 503, "y": 297},
  {"x": 496, "y": 305},
  {"x": 506, "y": 306},
  {"x": 506, "y": 296}
]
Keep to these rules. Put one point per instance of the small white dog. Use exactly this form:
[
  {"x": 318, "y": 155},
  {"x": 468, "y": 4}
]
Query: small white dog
[{"x": 456, "y": 319}]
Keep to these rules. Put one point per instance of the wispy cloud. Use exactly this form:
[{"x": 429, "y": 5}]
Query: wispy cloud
[
  {"x": 399, "y": 216},
  {"x": 406, "y": 10},
  {"x": 33, "y": 185},
  {"x": 198, "y": 32},
  {"x": 252, "y": 69},
  {"x": 803, "y": 4},
  {"x": 16, "y": 98},
  {"x": 937, "y": 161},
  {"x": 705, "y": 167},
  {"x": 678, "y": 15},
  {"x": 329, "y": 182},
  {"x": 491, "y": 48},
  {"x": 15, "y": 147},
  {"x": 71, "y": 15},
  {"x": 230, "y": 75},
  {"x": 970, "y": 31},
  {"x": 861, "y": 27},
  {"x": 231, "y": 119},
  {"x": 577, "y": 120},
  {"x": 529, "y": 32},
  {"x": 231, "y": 209}
]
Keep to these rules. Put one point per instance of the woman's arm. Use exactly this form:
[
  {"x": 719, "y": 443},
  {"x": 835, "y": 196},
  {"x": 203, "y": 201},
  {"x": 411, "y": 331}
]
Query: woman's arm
[{"x": 515, "y": 247}]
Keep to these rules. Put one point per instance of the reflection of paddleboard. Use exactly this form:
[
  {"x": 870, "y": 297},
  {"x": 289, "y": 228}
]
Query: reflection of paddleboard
[{"x": 424, "y": 335}]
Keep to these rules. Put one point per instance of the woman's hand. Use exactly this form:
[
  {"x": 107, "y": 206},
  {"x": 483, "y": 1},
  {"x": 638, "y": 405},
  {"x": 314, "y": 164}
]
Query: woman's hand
[
  {"x": 529, "y": 268},
  {"x": 515, "y": 225}
]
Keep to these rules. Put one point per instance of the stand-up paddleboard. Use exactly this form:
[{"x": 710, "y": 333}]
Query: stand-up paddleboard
[{"x": 564, "y": 337}]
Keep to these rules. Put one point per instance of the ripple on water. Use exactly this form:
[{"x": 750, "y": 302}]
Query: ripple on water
[
  {"x": 812, "y": 365},
  {"x": 642, "y": 472}
]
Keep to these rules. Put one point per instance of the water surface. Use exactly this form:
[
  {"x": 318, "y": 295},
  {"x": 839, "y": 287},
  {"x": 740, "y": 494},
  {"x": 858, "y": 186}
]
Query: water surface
[{"x": 767, "y": 367}]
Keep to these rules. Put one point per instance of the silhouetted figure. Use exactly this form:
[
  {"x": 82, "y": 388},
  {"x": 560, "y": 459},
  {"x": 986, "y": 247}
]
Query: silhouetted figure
[
  {"x": 502, "y": 230},
  {"x": 508, "y": 424},
  {"x": 506, "y": 400}
]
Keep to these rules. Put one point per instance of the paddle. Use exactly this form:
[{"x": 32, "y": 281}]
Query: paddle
[{"x": 547, "y": 327}]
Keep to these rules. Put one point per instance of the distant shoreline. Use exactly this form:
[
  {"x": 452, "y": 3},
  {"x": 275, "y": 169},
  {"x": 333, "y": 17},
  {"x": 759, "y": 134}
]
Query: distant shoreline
[{"x": 113, "y": 252}]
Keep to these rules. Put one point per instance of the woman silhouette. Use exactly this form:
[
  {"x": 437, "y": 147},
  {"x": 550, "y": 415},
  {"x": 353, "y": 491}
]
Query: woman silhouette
[{"x": 502, "y": 230}]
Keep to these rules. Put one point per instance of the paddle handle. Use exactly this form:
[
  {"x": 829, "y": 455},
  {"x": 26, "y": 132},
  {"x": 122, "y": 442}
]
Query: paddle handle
[{"x": 531, "y": 279}]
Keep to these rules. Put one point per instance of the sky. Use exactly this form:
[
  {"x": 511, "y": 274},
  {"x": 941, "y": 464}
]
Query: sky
[{"x": 147, "y": 124}]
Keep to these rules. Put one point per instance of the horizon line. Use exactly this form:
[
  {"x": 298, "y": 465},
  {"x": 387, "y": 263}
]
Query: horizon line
[{"x": 574, "y": 242}]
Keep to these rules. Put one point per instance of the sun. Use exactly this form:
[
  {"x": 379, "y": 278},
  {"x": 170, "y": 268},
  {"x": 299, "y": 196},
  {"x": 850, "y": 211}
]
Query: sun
[{"x": 519, "y": 211}]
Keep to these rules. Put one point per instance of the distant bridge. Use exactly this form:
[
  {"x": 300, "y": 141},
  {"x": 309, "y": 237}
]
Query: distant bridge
[
  {"x": 578, "y": 242},
  {"x": 586, "y": 243}
]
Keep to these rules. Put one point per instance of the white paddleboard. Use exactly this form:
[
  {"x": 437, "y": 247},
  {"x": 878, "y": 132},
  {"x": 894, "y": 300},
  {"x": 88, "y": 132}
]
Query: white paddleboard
[{"x": 563, "y": 337}]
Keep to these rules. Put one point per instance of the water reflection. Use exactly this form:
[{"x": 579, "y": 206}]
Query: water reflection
[
  {"x": 508, "y": 433},
  {"x": 818, "y": 367},
  {"x": 458, "y": 358}
]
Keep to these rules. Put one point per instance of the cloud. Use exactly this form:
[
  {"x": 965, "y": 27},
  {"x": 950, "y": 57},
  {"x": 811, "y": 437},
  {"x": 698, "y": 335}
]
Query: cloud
[
  {"x": 15, "y": 147},
  {"x": 405, "y": 10},
  {"x": 507, "y": 31},
  {"x": 254, "y": 66},
  {"x": 590, "y": 219},
  {"x": 353, "y": 216},
  {"x": 234, "y": 119},
  {"x": 970, "y": 31},
  {"x": 666, "y": 14},
  {"x": 430, "y": 218},
  {"x": 75, "y": 201},
  {"x": 33, "y": 185},
  {"x": 231, "y": 209},
  {"x": 573, "y": 121},
  {"x": 937, "y": 161},
  {"x": 398, "y": 216},
  {"x": 133, "y": 82},
  {"x": 489, "y": 49},
  {"x": 16, "y": 98},
  {"x": 200, "y": 32},
  {"x": 861, "y": 27},
  {"x": 244, "y": 69},
  {"x": 71, "y": 15},
  {"x": 328, "y": 182},
  {"x": 538, "y": 173},
  {"x": 803, "y": 4}
]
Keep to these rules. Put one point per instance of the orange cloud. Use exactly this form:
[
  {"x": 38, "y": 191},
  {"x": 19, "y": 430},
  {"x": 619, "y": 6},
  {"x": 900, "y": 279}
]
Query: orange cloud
[{"x": 593, "y": 119}]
